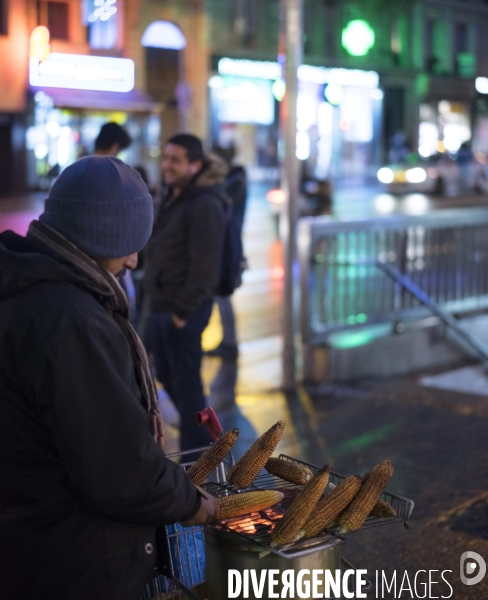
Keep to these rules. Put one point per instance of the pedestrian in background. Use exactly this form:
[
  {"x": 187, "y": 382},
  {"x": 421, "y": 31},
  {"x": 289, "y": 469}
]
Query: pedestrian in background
[
  {"x": 236, "y": 190},
  {"x": 84, "y": 482},
  {"x": 111, "y": 140},
  {"x": 183, "y": 262}
]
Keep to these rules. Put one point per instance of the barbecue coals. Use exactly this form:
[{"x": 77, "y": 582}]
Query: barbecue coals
[
  {"x": 301, "y": 512},
  {"x": 304, "y": 511}
]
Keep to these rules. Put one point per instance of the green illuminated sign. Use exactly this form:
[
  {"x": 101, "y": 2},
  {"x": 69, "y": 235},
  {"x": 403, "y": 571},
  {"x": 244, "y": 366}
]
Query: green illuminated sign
[{"x": 358, "y": 37}]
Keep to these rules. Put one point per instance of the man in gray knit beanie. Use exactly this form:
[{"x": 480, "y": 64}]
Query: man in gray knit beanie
[
  {"x": 101, "y": 205},
  {"x": 84, "y": 482}
]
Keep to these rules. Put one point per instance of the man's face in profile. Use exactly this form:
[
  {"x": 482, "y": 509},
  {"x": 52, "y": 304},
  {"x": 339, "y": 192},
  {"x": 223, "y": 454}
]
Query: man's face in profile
[{"x": 118, "y": 266}]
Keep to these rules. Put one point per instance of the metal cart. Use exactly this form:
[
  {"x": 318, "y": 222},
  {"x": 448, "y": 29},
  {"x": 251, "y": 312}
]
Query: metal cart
[{"x": 185, "y": 546}]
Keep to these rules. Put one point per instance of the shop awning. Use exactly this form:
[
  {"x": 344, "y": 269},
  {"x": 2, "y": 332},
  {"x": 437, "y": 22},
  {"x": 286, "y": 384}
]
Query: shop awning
[{"x": 133, "y": 101}]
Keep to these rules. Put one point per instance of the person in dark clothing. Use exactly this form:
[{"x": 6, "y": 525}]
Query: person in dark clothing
[
  {"x": 236, "y": 190},
  {"x": 183, "y": 260},
  {"x": 84, "y": 482},
  {"x": 111, "y": 140}
]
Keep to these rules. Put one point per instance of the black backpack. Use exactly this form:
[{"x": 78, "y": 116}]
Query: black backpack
[{"x": 232, "y": 264}]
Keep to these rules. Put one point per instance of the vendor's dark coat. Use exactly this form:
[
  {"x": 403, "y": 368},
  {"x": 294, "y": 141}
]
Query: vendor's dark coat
[
  {"x": 83, "y": 485},
  {"x": 183, "y": 257}
]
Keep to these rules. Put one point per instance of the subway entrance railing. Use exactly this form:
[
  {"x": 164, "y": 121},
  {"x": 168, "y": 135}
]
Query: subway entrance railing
[{"x": 444, "y": 253}]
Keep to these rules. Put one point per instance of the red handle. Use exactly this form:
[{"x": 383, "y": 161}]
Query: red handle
[{"x": 209, "y": 418}]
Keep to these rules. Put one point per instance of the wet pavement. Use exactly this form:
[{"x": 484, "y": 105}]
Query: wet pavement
[{"x": 436, "y": 438}]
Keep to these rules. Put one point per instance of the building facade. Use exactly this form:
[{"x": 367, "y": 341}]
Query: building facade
[
  {"x": 69, "y": 66},
  {"x": 427, "y": 54},
  {"x": 210, "y": 67}
]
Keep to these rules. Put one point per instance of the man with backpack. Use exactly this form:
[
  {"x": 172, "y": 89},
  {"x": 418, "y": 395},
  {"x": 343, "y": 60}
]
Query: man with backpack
[
  {"x": 183, "y": 271},
  {"x": 236, "y": 190}
]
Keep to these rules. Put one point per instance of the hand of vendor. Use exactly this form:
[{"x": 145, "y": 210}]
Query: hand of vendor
[{"x": 209, "y": 510}]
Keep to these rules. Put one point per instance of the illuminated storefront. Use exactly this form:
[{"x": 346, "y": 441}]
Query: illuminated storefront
[
  {"x": 446, "y": 116},
  {"x": 71, "y": 97},
  {"x": 338, "y": 120}
]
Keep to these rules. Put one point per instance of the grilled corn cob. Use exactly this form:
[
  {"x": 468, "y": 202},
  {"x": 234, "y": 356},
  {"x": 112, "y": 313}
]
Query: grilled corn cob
[
  {"x": 237, "y": 505},
  {"x": 247, "y": 468},
  {"x": 210, "y": 459},
  {"x": 289, "y": 471},
  {"x": 330, "y": 507},
  {"x": 374, "y": 484},
  {"x": 383, "y": 510},
  {"x": 288, "y": 528}
]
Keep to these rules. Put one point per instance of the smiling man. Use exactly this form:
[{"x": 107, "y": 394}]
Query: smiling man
[
  {"x": 183, "y": 268},
  {"x": 84, "y": 482}
]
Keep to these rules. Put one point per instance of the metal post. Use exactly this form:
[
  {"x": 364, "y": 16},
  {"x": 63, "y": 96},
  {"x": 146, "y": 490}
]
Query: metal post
[{"x": 290, "y": 44}]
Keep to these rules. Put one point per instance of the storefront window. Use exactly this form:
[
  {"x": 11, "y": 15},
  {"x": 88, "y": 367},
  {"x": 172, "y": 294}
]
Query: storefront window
[
  {"x": 338, "y": 115},
  {"x": 444, "y": 126},
  {"x": 58, "y": 136}
]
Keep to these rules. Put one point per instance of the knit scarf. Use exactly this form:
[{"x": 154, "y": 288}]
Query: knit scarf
[{"x": 113, "y": 298}]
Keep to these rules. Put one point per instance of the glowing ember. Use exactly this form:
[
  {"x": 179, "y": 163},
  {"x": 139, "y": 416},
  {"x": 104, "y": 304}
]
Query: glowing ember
[{"x": 262, "y": 522}]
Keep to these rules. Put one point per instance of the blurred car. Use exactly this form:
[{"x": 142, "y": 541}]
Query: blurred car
[{"x": 441, "y": 174}]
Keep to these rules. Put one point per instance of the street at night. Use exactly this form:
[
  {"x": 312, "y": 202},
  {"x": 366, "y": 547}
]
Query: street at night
[{"x": 243, "y": 299}]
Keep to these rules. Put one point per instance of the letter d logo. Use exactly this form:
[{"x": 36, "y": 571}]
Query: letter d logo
[{"x": 471, "y": 567}]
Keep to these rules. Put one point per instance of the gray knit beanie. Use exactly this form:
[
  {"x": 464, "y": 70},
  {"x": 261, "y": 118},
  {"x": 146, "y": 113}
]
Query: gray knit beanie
[{"x": 102, "y": 205}]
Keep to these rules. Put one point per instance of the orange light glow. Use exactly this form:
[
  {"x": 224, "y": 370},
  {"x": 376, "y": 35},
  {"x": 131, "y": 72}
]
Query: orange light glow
[
  {"x": 276, "y": 196},
  {"x": 344, "y": 125},
  {"x": 39, "y": 43},
  {"x": 277, "y": 273}
]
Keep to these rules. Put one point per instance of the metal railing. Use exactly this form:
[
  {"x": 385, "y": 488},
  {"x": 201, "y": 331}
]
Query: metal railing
[{"x": 444, "y": 253}]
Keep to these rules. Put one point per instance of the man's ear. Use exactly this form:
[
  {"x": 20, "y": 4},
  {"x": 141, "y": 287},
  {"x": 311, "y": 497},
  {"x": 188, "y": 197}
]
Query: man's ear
[{"x": 196, "y": 166}]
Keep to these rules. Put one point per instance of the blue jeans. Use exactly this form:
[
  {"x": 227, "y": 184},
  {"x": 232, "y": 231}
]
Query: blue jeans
[
  {"x": 177, "y": 358},
  {"x": 228, "y": 320}
]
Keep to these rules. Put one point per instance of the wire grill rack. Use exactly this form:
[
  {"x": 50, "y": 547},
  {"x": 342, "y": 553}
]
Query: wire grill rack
[{"x": 257, "y": 527}]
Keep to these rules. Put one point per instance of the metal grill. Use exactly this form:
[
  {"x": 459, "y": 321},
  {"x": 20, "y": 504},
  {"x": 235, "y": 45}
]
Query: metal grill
[
  {"x": 187, "y": 580},
  {"x": 444, "y": 253},
  {"x": 257, "y": 527}
]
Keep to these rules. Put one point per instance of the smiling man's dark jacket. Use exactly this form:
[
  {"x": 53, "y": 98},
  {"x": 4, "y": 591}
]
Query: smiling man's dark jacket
[{"x": 183, "y": 256}]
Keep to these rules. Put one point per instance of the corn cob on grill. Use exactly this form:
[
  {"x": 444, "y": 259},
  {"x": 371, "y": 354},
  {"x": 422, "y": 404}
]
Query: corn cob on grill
[
  {"x": 330, "y": 507},
  {"x": 237, "y": 505},
  {"x": 383, "y": 510},
  {"x": 289, "y": 471},
  {"x": 289, "y": 526},
  {"x": 212, "y": 457},
  {"x": 374, "y": 484},
  {"x": 247, "y": 468}
]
